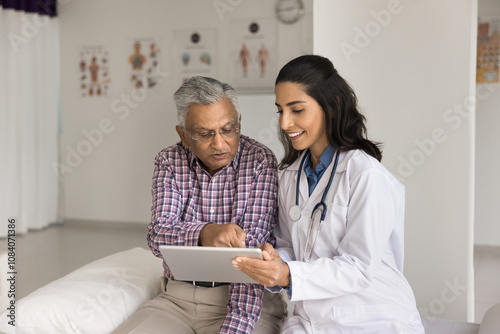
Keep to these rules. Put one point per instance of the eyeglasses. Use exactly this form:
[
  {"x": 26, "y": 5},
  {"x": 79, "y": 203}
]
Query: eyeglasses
[{"x": 203, "y": 137}]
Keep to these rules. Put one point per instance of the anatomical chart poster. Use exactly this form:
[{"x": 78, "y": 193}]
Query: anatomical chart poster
[
  {"x": 488, "y": 50},
  {"x": 195, "y": 53},
  {"x": 253, "y": 55},
  {"x": 143, "y": 61},
  {"x": 94, "y": 71}
]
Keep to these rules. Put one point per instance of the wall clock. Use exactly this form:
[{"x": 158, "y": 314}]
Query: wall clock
[{"x": 289, "y": 11}]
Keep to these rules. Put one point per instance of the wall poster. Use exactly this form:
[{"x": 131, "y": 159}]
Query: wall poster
[
  {"x": 195, "y": 53},
  {"x": 253, "y": 55},
  {"x": 488, "y": 47},
  {"x": 94, "y": 71},
  {"x": 143, "y": 61}
]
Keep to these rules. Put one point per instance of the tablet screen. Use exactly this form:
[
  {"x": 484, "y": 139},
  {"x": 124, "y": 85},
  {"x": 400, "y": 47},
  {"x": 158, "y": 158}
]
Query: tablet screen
[{"x": 208, "y": 264}]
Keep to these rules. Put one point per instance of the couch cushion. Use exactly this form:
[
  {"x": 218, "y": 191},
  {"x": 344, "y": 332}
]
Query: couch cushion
[{"x": 95, "y": 298}]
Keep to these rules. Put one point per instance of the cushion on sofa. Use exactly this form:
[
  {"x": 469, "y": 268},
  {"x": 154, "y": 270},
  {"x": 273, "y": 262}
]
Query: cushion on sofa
[{"x": 95, "y": 298}]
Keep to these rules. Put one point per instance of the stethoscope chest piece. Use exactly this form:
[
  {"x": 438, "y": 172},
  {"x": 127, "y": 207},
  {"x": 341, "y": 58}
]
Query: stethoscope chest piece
[{"x": 295, "y": 213}]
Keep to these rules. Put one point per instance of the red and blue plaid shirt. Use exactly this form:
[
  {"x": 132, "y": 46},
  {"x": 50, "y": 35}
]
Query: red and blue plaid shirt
[{"x": 186, "y": 198}]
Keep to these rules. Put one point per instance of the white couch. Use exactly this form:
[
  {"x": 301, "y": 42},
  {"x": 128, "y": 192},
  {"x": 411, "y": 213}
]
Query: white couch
[{"x": 99, "y": 296}]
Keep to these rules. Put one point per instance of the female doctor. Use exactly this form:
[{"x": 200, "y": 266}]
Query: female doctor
[{"x": 339, "y": 250}]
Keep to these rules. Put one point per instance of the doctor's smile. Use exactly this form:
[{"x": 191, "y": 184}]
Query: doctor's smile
[{"x": 295, "y": 135}]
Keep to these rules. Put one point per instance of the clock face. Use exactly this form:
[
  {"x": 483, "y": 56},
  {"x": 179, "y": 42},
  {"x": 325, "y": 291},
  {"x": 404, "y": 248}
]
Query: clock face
[{"x": 289, "y": 11}]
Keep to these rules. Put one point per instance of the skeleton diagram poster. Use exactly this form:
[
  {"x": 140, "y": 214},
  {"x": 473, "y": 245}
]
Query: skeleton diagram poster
[
  {"x": 253, "y": 55},
  {"x": 94, "y": 71},
  {"x": 488, "y": 50},
  {"x": 195, "y": 53},
  {"x": 143, "y": 61}
]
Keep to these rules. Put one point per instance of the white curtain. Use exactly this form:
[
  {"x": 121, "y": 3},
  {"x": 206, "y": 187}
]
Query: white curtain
[{"x": 29, "y": 120}]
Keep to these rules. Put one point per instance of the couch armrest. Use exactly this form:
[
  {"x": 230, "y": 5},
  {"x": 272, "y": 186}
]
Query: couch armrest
[{"x": 95, "y": 298}]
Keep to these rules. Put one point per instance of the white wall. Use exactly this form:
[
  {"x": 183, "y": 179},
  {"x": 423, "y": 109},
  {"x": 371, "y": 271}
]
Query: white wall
[
  {"x": 487, "y": 218},
  {"x": 113, "y": 182},
  {"x": 410, "y": 63}
]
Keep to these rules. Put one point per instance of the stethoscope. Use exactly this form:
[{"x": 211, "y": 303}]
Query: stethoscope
[{"x": 295, "y": 211}]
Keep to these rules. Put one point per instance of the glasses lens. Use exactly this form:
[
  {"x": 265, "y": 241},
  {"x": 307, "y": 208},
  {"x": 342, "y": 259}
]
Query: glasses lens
[
  {"x": 226, "y": 133},
  {"x": 229, "y": 132},
  {"x": 203, "y": 137}
]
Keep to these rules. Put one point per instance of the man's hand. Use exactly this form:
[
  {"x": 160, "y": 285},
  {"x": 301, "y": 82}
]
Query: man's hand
[
  {"x": 222, "y": 235},
  {"x": 270, "y": 271}
]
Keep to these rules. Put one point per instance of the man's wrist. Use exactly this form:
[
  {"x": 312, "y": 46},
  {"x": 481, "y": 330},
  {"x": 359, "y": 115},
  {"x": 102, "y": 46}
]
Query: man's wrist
[
  {"x": 237, "y": 325},
  {"x": 200, "y": 238},
  {"x": 285, "y": 280}
]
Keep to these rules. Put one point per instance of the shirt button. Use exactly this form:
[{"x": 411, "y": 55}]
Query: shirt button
[
  {"x": 317, "y": 326},
  {"x": 212, "y": 210}
]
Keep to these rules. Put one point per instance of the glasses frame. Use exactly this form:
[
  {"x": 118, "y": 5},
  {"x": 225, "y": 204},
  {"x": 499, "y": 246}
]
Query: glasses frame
[{"x": 199, "y": 139}]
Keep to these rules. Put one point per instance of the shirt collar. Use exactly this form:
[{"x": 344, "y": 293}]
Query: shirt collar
[
  {"x": 326, "y": 158},
  {"x": 324, "y": 161}
]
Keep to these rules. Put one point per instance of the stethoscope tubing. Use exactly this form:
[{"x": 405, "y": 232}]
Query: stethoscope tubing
[
  {"x": 319, "y": 206},
  {"x": 332, "y": 174}
]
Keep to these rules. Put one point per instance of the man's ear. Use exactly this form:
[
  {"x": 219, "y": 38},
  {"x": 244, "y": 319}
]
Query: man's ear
[{"x": 182, "y": 135}]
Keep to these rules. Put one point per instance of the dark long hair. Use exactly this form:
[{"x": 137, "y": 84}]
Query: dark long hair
[{"x": 345, "y": 125}]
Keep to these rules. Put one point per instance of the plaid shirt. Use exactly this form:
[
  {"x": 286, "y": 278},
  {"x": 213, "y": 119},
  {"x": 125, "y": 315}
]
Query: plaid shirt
[{"x": 186, "y": 198}]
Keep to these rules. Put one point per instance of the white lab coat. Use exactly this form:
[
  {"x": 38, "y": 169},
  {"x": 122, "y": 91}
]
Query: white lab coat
[{"x": 353, "y": 282}]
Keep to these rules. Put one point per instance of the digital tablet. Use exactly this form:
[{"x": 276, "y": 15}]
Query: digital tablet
[{"x": 208, "y": 264}]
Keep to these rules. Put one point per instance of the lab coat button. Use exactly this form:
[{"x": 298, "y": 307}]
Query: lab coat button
[{"x": 317, "y": 326}]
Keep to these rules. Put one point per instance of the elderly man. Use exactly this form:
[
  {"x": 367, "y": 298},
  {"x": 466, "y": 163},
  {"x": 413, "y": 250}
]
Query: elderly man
[{"x": 213, "y": 188}]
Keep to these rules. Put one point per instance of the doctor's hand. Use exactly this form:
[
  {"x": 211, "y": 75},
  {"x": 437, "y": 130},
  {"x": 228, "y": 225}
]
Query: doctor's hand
[
  {"x": 222, "y": 235},
  {"x": 270, "y": 271}
]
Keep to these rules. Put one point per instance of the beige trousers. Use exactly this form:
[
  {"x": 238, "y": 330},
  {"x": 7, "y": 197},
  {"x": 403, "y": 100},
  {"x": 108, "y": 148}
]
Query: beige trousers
[{"x": 183, "y": 308}]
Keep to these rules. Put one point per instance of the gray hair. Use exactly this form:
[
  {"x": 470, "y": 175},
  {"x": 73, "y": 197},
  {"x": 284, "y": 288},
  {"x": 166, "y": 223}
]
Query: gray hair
[{"x": 204, "y": 91}]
